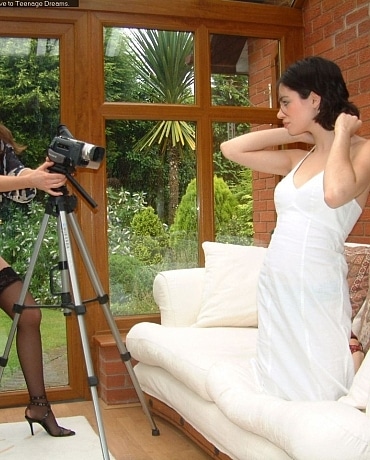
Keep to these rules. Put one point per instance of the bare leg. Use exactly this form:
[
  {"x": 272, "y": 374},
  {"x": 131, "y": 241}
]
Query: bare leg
[{"x": 29, "y": 349}]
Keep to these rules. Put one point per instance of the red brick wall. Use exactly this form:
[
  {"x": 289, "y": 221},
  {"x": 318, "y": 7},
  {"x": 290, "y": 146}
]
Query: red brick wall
[
  {"x": 264, "y": 215},
  {"x": 261, "y": 55},
  {"x": 338, "y": 30},
  {"x": 115, "y": 384}
]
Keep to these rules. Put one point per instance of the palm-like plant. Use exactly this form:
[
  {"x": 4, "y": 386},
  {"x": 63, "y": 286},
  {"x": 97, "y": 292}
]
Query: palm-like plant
[{"x": 160, "y": 61}]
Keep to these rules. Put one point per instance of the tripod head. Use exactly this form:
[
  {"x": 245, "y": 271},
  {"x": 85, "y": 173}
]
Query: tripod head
[{"x": 67, "y": 171}]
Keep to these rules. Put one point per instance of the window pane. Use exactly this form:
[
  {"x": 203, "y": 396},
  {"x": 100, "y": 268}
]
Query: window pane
[
  {"x": 234, "y": 193},
  {"x": 243, "y": 70},
  {"x": 232, "y": 189},
  {"x": 29, "y": 107},
  {"x": 152, "y": 217},
  {"x": 154, "y": 66}
]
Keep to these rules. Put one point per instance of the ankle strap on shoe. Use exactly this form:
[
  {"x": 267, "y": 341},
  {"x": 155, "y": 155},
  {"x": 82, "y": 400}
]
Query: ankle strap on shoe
[{"x": 35, "y": 401}]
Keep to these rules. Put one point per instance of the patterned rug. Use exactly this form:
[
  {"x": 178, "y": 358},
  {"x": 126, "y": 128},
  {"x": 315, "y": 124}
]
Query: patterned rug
[{"x": 17, "y": 443}]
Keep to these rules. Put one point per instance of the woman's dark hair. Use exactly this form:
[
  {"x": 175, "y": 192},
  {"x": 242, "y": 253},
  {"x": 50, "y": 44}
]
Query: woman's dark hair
[
  {"x": 324, "y": 78},
  {"x": 7, "y": 137}
]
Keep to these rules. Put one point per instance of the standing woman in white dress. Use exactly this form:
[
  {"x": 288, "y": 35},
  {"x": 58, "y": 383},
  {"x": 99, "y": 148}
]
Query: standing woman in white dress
[{"x": 304, "y": 345}]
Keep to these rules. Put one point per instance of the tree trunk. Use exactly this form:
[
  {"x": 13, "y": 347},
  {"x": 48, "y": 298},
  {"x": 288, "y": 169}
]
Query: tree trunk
[
  {"x": 173, "y": 156},
  {"x": 160, "y": 207}
]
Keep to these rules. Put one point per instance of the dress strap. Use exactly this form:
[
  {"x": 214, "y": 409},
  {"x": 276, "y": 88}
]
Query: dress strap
[{"x": 301, "y": 161}]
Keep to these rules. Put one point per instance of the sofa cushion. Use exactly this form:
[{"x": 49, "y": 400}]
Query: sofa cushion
[
  {"x": 359, "y": 393},
  {"x": 358, "y": 260},
  {"x": 364, "y": 332},
  {"x": 178, "y": 293},
  {"x": 176, "y": 349},
  {"x": 306, "y": 430},
  {"x": 205, "y": 418},
  {"x": 230, "y": 286}
]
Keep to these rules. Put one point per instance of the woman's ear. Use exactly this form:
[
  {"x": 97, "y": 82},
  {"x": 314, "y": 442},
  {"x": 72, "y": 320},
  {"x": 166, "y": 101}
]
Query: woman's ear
[{"x": 316, "y": 100}]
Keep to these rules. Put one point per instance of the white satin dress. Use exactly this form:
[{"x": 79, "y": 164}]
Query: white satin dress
[{"x": 303, "y": 299}]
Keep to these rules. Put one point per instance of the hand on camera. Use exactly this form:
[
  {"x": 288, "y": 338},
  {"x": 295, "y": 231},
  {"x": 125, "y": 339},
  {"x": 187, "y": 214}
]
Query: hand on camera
[{"x": 43, "y": 179}]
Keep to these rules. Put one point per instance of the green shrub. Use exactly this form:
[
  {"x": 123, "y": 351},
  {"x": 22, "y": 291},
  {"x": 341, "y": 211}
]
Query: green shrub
[
  {"x": 185, "y": 222},
  {"x": 130, "y": 286},
  {"x": 19, "y": 230},
  {"x": 225, "y": 204},
  {"x": 123, "y": 270},
  {"x": 240, "y": 230},
  {"x": 149, "y": 238},
  {"x": 122, "y": 207}
]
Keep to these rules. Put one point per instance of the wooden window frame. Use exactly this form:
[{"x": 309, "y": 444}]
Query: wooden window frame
[{"x": 85, "y": 111}]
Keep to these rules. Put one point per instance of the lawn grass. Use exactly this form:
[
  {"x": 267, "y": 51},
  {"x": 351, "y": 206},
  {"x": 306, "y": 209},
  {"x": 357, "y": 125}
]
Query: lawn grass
[{"x": 53, "y": 333}]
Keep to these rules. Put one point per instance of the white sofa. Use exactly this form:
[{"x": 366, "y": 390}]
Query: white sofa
[{"x": 194, "y": 368}]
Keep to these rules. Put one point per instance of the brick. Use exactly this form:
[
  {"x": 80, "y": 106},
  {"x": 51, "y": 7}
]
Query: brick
[
  {"x": 357, "y": 16},
  {"x": 357, "y": 73},
  {"x": 114, "y": 367},
  {"x": 259, "y": 205},
  {"x": 364, "y": 54},
  {"x": 117, "y": 396},
  {"x": 324, "y": 45},
  {"x": 115, "y": 385},
  {"x": 259, "y": 184},
  {"x": 341, "y": 10},
  {"x": 366, "y": 215},
  {"x": 268, "y": 216},
  {"x": 266, "y": 194},
  {"x": 114, "y": 381},
  {"x": 322, "y": 20},
  {"x": 333, "y": 28},
  {"x": 358, "y": 229},
  {"x": 271, "y": 206},
  {"x": 363, "y": 28},
  {"x": 344, "y": 61},
  {"x": 314, "y": 38},
  {"x": 357, "y": 45},
  {"x": 363, "y": 2},
  {"x": 260, "y": 227},
  {"x": 346, "y": 36},
  {"x": 271, "y": 182}
]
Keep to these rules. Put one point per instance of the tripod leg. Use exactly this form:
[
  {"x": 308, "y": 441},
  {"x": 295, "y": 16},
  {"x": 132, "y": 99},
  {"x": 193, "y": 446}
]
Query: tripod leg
[
  {"x": 19, "y": 306},
  {"x": 80, "y": 310},
  {"x": 103, "y": 299}
]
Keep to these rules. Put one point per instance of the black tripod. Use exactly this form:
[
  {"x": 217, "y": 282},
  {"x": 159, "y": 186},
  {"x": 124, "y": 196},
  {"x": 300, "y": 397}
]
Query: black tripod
[{"x": 62, "y": 208}]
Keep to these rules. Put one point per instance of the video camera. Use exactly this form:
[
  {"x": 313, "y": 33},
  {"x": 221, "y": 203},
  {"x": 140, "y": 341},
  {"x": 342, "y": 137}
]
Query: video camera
[{"x": 68, "y": 152}]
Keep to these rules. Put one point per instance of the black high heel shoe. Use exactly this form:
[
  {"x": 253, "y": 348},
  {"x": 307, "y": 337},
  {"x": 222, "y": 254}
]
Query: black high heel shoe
[{"x": 35, "y": 401}]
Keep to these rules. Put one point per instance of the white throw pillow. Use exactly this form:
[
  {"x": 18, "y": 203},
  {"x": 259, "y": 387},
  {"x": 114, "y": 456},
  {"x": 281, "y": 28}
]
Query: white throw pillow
[{"x": 230, "y": 289}]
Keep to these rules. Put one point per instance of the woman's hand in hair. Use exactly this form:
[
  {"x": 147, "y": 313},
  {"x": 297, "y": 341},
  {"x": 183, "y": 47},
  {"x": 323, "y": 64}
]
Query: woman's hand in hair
[{"x": 347, "y": 123}]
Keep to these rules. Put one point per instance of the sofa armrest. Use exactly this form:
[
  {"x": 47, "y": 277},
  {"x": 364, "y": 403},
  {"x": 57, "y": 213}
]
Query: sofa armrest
[{"x": 178, "y": 294}]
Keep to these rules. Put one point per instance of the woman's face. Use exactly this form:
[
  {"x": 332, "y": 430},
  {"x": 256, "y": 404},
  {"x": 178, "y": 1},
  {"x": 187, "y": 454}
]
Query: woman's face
[{"x": 297, "y": 114}]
